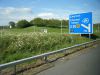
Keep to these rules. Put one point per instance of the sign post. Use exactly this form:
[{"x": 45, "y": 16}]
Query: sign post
[{"x": 81, "y": 23}]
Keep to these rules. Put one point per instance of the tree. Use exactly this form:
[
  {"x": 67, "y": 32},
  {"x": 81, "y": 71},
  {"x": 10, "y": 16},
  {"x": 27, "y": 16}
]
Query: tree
[
  {"x": 23, "y": 24},
  {"x": 37, "y": 22},
  {"x": 53, "y": 23},
  {"x": 12, "y": 24},
  {"x": 49, "y": 22}
]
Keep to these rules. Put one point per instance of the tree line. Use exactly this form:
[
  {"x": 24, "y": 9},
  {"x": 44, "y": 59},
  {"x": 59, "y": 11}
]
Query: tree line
[{"x": 39, "y": 22}]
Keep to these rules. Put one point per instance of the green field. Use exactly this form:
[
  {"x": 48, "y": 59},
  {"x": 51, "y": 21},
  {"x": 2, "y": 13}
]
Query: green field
[
  {"x": 21, "y": 43},
  {"x": 36, "y": 29}
]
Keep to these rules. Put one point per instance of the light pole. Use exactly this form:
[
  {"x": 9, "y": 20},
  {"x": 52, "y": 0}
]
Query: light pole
[
  {"x": 98, "y": 27},
  {"x": 34, "y": 29},
  {"x": 61, "y": 27},
  {"x": 61, "y": 32}
]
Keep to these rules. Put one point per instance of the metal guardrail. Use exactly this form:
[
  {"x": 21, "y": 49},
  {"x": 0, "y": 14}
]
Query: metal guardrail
[{"x": 14, "y": 63}]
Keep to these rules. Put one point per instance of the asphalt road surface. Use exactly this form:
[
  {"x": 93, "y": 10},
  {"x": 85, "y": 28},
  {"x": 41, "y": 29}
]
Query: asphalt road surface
[{"x": 87, "y": 63}]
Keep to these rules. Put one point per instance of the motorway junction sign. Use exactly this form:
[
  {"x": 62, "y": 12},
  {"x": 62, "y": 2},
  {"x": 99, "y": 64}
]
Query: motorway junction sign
[{"x": 81, "y": 23}]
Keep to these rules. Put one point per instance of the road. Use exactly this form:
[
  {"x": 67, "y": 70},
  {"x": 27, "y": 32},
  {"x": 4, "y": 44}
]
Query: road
[{"x": 86, "y": 63}]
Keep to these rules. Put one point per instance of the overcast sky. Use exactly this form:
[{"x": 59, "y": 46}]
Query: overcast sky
[{"x": 14, "y": 10}]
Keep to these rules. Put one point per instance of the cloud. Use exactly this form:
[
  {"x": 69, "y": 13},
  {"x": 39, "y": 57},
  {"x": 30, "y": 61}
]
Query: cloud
[
  {"x": 27, "y": 17},
  {"x": 12, "y": 10},
  {"x": 47, "y": 15},
  {"x": 14, "y": 14}
]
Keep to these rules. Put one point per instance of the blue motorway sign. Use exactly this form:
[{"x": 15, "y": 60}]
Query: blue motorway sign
[{"x": 81, "y": 23}]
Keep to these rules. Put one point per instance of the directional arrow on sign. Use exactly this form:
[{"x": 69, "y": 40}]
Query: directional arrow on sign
[{"x": 87, "y": 27}]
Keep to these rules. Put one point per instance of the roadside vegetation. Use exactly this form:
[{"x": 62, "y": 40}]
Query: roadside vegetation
[
  {"x": 14, "y": 47},
  {"x": 21, "y": 42}
]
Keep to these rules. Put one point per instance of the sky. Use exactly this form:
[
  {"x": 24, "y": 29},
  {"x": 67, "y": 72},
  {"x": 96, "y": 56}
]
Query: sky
[{"x": 14, "y": 10}]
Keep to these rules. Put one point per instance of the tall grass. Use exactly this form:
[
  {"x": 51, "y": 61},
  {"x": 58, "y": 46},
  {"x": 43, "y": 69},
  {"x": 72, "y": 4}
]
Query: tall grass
[{"x": 17, "y": 46}]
